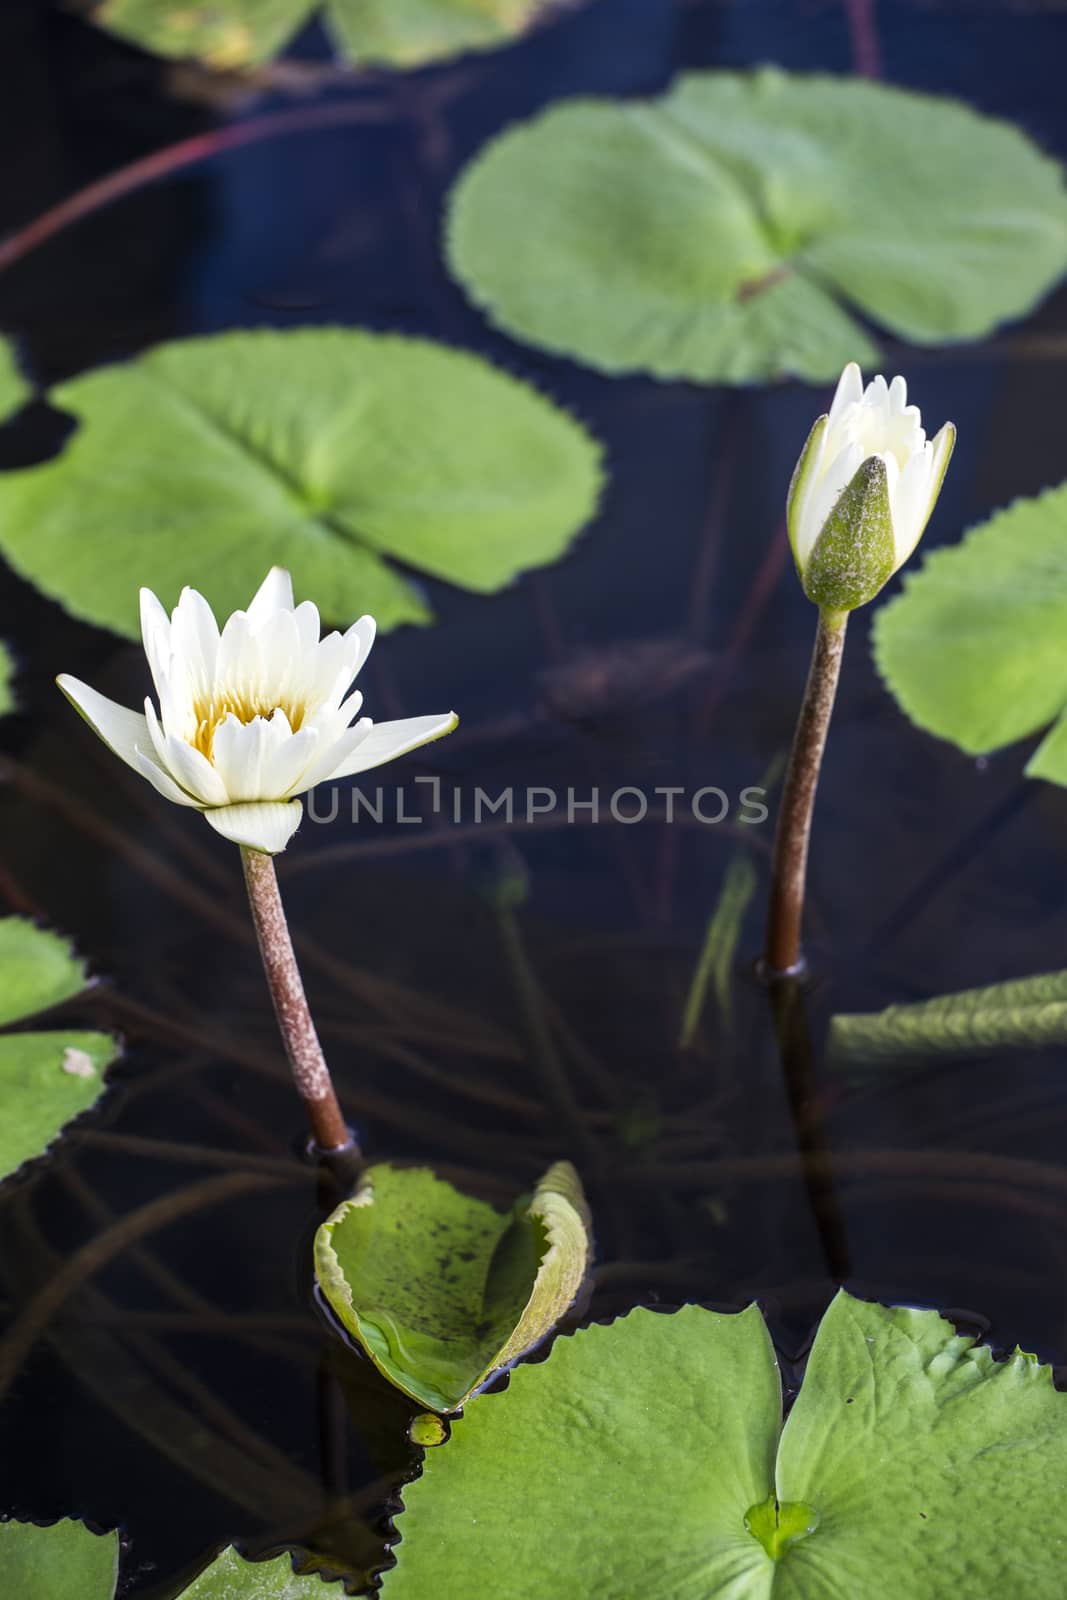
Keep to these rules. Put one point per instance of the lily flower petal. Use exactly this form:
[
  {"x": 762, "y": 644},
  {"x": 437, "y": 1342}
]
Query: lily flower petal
[
  {"x": 123, "y": 731},
  {"x": 163, "y": 783},
  {"x": 332, "y": 757},
  {"x": 285, "y": 766},
  {"x": 849, "y": 392},
  {"x": 237, "y": 755},
  {"x": 194, "y": 640},
  {"x": 387, "y": 740},
  {"x": 359, "y": 639},
  {"x": 275, "y": 593},
  {"x": 155, "y": 632},
  {"x": 191, "y": 769},
  {"x": 266, "y": 825}
]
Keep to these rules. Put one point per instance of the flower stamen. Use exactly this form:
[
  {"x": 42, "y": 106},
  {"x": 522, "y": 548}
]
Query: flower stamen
[{"x": 210, "y": 714}]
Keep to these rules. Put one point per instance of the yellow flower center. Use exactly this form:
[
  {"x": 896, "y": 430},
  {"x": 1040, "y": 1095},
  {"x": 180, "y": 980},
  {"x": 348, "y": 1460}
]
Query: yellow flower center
[{"x": 211, "y": 714}]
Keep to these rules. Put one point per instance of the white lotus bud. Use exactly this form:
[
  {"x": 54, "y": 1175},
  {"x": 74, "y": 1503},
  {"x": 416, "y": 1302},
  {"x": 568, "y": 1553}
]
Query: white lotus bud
[{"x": 863, "y": 490}]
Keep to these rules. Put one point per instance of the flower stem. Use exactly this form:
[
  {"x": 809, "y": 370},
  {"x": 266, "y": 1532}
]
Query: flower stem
[
  {"x": 332, "y": 1134},
  {"x": 785, "y": 910}
]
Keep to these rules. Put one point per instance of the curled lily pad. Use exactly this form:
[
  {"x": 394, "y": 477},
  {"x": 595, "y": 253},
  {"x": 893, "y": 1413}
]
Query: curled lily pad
[
  {"x": 441, "y": 1290},
  {"x": 1025, "y": 1013},
  {"x": 733, "y": 229},
  {"x": 973, "y": 649},
  {"x": 649, "y": 1458},
  {"x": 321, "y": 450},
  {"x": 246, "y": 33},
  {"x": 46, "y": 1079}
]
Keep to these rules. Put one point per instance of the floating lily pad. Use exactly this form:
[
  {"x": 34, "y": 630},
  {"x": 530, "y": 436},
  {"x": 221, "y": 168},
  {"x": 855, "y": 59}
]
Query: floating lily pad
[
  {"x": 61, "y": 1562},
  {"x": 38, "y": 969},
  {"x": 648, "y": 1458},
  {"x": 8, "y": 702},
  {"x": 230, "y": 1577},
  {"x": 1024, "y": 1014},
  {"x": 973, "y": 649},
  {"x": 441, "y": 1290},
  {"x": 319, "y": 450},
  {"x": 14, "y": 390},
  {"x": 231, "y": 34},
  {"x": 733, "y": 229},
  {"x": 67, "y": 1562},
  {"x": 46, "y": 1079}
]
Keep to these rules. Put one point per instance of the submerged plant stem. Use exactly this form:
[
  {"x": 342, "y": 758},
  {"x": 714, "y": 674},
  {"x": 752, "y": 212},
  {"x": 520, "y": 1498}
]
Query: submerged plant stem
[
  {"x": 789, "y": 865},
  {"x": 332, "y": 1134}
]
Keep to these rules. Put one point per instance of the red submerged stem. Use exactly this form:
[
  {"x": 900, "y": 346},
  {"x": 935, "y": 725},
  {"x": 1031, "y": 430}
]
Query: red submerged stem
[{"x": 174, "y": 157}]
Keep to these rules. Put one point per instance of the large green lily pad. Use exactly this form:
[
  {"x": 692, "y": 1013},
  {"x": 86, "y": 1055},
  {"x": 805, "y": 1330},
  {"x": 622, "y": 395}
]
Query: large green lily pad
[
  {"x": 1022, "y": 1014},
  {"x": 319, "y": 450},
  {"x": 648, "y": 1458},
  {"x": 973, "y": 649},
  {"x": 61, "y": 1562},
  {"x": 46, "y": 1079},
  {"x": 246, "y": 33},
  {"x": 442, "y": 1291},
  {"x": 67, "y": 1562},
  {"x": 733, "y": 229}
]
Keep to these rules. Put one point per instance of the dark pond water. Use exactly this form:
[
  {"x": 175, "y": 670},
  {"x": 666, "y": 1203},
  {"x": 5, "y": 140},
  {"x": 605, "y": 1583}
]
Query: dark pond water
[{"x": 186, "y": 1388}]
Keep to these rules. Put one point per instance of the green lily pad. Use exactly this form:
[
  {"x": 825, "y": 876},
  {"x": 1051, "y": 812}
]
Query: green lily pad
[
  {"x": 14, "y": 390},
  {"x": 67, "y": 1562},
  {"x": 8, "y": 703},
  {"x": 973, "y": 647},
  {"x": 230, "y": 1577},
  {"x": 46, "y": 1079},
  {"x": 442, "y": 1291},
  {"x": 319, "y": 450},
  {"x": 38, "y": 969},
  {"x": 231, "y": 34},
  {"x": 648, "y": 1458},
  {"x": 1026, "y": 1013},
  {"x": 61, "y": 1562},
  {"x": 729, "y": 230}
]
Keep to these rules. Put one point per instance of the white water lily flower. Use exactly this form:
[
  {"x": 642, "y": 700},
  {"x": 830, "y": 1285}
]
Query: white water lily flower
[
  {"x": 863, "y": 490},
  {"x": 252, "y": 716}
]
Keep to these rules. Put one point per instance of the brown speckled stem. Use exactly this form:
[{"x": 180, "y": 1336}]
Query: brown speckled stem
[
  {"x": 331, "y": 1132},
  {"x": 789, "y": 865}
]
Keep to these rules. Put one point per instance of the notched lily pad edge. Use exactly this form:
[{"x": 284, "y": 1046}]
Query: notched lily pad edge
[
  {"x": 415, "y": 579},
  {"x": 869, "y": 333},
  {"x": 111, "y": 1047},
  {"x": 304, "y": 1564},
  {"x": 114, "y": 1050},
  {"x": 934, "y": 559}
]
